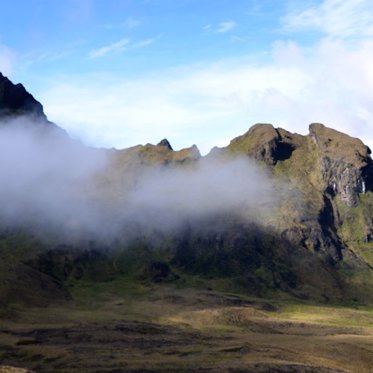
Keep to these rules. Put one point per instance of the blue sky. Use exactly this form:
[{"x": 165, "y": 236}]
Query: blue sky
[
  {"x": 116, "y": 73},
  {"x": 138, "y": 35}
]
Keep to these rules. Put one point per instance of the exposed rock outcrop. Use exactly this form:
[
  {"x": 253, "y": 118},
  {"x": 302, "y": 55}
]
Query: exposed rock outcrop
[
  {"x": 165, "y": 143},
  {"x": 16, "y": 101},
  {"x": 331, "y": 170},
  {"x": 265, "y": 143},
  {"x": 346, "y": 164}
]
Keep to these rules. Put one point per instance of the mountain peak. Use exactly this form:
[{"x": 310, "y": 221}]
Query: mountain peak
[
  {"x": 165, "y": 143},
  {"x": 265, "y": 143},
  {"x": 338, "y": 144},
  {"x": 345, "y": 162},
  {"x": 16, "y": 101}
]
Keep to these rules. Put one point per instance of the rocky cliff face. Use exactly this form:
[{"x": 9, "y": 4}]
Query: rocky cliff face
[
  {"x": 16, "y": 101},
  {"x": 345, "y": 163},
  {"x": 265, "y": 143},
  {"x": 334, "y": 173}
]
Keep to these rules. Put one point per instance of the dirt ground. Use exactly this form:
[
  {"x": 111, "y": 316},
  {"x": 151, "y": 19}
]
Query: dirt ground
[{"x": 188, "y": 331}]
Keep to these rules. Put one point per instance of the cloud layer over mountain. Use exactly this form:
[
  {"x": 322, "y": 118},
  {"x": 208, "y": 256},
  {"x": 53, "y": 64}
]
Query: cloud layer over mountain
[{"x": 52, "y": 182}]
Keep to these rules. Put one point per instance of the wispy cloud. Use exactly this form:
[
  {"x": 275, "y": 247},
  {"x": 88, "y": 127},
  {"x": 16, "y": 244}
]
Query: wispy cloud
[
  {"x": 197, "y": 104},
  {"x": 120, "y": 46},
  {"x": 226, "y": 26},
  {"x": 143, "y": 43},
  {"x": 336, "y": 18},
  {"x": 31, "y": 58},
  {"x": 110, "y": 48},
  {"x": 51, "y": 55}
]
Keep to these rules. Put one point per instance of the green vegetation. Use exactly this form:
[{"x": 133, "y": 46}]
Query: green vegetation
[
  {"x": 168, "y": 328},
  {"x": 355, "y": 226}
]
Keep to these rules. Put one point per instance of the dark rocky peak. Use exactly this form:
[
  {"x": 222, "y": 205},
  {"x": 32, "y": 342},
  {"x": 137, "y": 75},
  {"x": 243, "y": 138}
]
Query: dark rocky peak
[
  {"x": 165, "y": 143},
  {"x": 265, "y": 143},
  {"x": 345, "y": 162},
  {"x": 16, "y": 101},
  {"x": 182, "y": 155}
]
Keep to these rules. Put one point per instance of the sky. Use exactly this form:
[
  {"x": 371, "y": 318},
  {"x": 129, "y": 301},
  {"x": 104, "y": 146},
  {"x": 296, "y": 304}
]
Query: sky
[{"x": 117, "y": 73}]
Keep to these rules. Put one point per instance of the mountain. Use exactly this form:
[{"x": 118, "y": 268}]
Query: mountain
[
  {"x": 315, "y": 243},
  {"x": 257, "y": 257},
  {"x": 332, "y": 170},
  {"x": 16, "y": 101}
]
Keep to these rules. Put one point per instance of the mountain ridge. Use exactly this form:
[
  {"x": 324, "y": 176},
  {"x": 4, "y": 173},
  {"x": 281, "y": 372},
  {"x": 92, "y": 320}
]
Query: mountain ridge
[
  {"x": 317, "y": 243},
  {"x": 16, "y": 101}
]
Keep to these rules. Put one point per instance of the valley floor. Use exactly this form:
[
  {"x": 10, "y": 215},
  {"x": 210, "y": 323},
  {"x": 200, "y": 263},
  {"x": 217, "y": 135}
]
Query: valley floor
[{"x": 164, "y": 329}]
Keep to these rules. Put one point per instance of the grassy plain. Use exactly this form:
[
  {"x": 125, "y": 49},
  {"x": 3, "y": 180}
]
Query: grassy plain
[{"x": 133, "y": 327}]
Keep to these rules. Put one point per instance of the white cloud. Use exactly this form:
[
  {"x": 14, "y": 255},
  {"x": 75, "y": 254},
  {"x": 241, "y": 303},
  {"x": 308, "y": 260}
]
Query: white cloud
[
  {"x": 330, "y": 83},
  {"x": 226, "y": 26},
  {"x": 113, "y": 47},
  {"x": 120, "y": 46},
  {"x": 336, "y": 18}
]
